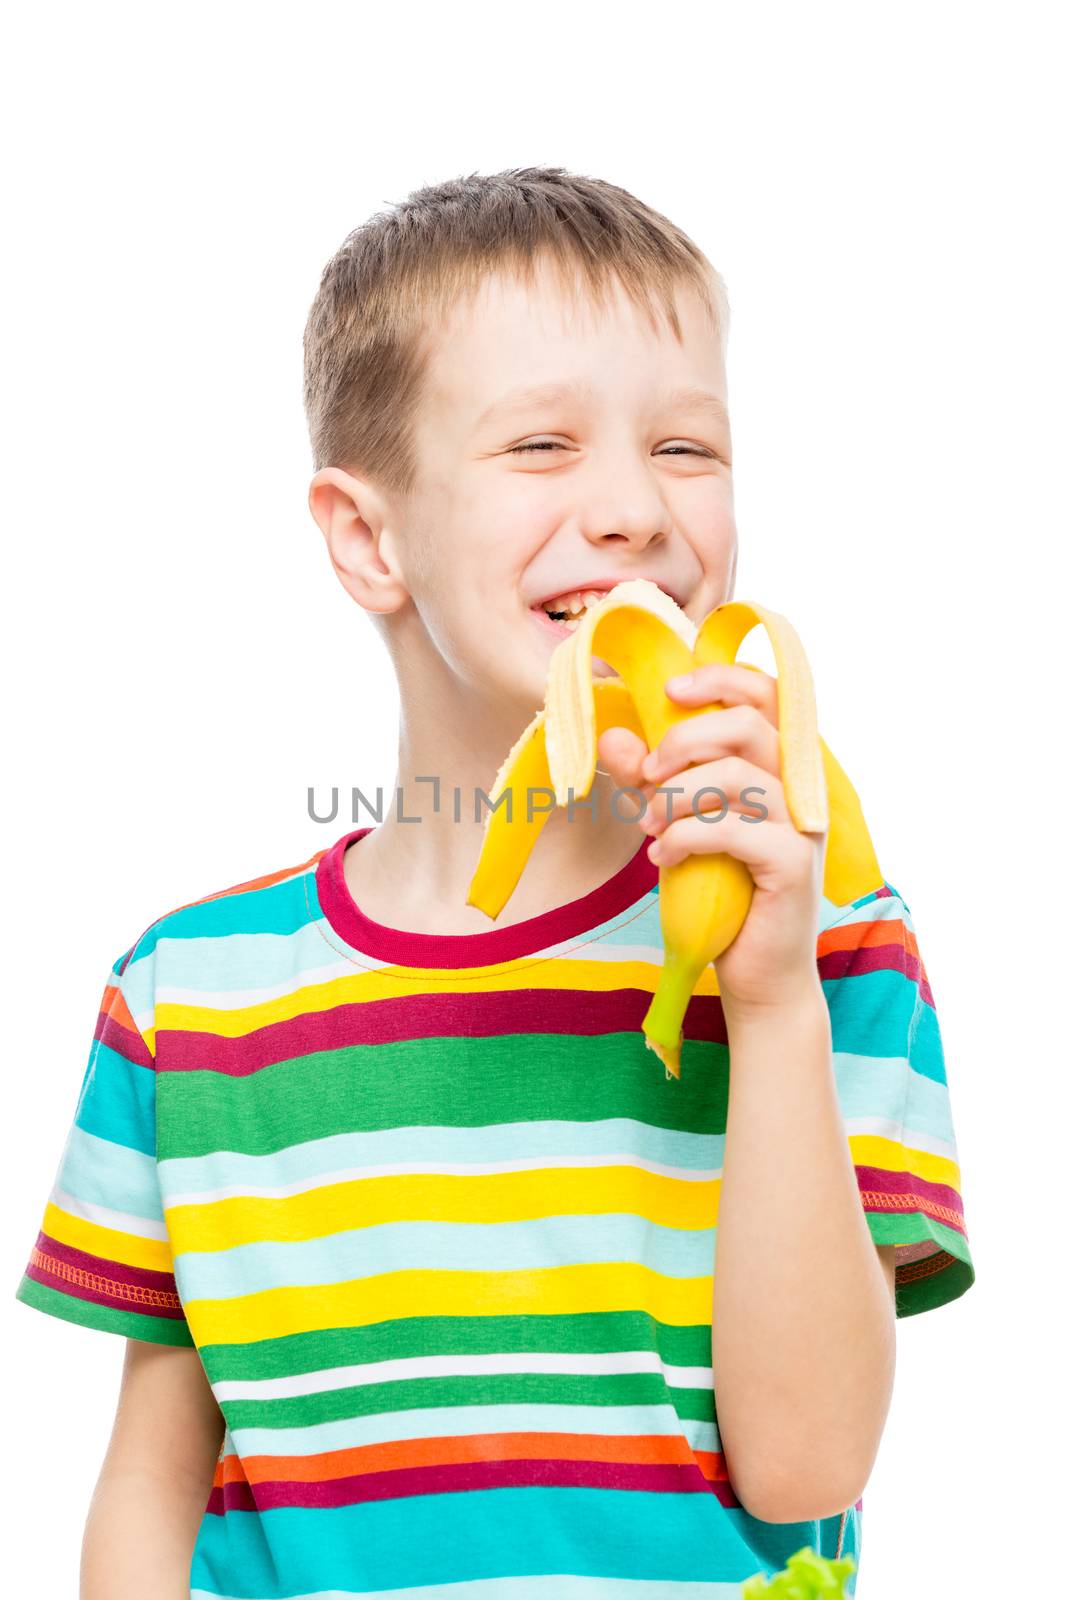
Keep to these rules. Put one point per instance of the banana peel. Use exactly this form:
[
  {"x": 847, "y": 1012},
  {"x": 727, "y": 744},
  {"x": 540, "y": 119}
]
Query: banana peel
[{"x": 704, "y": 899}]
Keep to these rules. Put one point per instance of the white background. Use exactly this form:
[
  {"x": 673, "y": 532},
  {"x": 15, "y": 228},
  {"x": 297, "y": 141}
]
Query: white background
[{"x": 882, "y": 191}]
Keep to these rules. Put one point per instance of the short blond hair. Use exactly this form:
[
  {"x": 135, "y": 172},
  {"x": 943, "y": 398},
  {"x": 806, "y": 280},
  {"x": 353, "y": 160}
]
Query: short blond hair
[{"x": 397, "y": 275}]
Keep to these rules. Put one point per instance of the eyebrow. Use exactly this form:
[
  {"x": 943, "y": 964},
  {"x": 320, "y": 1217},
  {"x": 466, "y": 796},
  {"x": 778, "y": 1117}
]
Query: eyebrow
[{"x": 692, "y": 398}]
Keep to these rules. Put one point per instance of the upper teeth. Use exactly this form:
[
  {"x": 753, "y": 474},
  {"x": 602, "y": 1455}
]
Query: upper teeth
[{"x": 577, "y": 600}]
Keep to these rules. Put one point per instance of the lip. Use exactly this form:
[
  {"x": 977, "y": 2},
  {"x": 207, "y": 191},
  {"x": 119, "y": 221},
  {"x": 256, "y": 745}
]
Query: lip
[{"x": 606, "y": 582}]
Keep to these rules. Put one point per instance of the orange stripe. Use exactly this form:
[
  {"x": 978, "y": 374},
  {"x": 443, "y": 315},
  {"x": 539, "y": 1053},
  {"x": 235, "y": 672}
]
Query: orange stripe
[
  {"x": 644, "y": 1449},
  {"x": 263, "y": 882},
  {"x": 870, "y": 935},
  {"x": 114, "y": 1007}
]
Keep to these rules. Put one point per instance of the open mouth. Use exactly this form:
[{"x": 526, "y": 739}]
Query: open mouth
[{"x": 568, "y": 610}]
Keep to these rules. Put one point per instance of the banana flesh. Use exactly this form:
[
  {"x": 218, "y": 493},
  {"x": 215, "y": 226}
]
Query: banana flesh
[{"x": 704, "y": 899}]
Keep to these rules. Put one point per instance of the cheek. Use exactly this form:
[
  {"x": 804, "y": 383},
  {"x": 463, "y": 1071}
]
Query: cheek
[
  {"x": 500, "y": 531},
  {"x": 707, "y": 516}
]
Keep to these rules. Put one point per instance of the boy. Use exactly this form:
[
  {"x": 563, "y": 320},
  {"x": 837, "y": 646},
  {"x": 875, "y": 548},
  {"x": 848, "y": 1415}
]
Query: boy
[{"x": 413, "y": 1245}]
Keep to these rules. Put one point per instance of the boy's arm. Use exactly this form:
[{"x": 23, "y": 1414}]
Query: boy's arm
[
  {"x": 887, "y": 1254},
  {"x": 804, "y": 1331},
  {"x": 155, "y": 1480}
]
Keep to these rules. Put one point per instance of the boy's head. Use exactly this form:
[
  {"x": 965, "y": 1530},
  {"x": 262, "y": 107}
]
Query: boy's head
[{"x": 429, "y": 323}]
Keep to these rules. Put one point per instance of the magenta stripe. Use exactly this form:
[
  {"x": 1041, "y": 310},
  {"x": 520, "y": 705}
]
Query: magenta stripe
[
  {"x": 450, "y": 1478},
  {"x": 876, "y": 958},
  {"x": 110, "y": 1031},
  {"x": 103, "y": 1282},
  {"x": 424, "y": 1016},
  {"x": 624, "y": 889},
  {"x": 880, "y": 1181}
]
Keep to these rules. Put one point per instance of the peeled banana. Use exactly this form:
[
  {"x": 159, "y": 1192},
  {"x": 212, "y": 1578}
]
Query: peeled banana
[{"x": 704, "y": 899}]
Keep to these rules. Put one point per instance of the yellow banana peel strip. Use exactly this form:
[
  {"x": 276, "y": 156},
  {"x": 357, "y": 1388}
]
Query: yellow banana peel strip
[{"x": 704, "y": 899}]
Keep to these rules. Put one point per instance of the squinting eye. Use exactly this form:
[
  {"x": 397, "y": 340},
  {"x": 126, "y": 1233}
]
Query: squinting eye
[{"x": 553, "y": 444}]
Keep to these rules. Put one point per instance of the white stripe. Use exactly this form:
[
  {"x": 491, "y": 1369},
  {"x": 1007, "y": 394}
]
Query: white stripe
[
  {"x": 604, "y": 1364},
  {"x": 122, "y": 1221}
]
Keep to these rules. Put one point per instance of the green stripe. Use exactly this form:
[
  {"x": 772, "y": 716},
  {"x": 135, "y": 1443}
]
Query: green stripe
[
  {"x": 626, "y": 1389},
  {"x": 568, "y": 1333},
  {"x": 936, "y": 1288},
  {"x": 133, "y": 1324},
  {"x": 460, "y": 1082}
]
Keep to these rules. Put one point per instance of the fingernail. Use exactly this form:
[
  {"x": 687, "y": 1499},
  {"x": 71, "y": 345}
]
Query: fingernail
[{"x": 682, "y": 682}]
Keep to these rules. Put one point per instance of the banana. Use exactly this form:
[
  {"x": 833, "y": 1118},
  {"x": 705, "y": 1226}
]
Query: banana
[
  {"x": 511, "y": 833},
  {"x": 704, "y": 899}
]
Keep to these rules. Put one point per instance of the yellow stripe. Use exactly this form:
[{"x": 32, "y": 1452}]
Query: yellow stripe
[
  {"x": 550, "y": 1291},
  {"x": 128, "y": 1248},
  {"x": 444, "y": 1197},
  {"x": 492, "y": 1197},
  {"x": 393, "y": 984},
  {"x": 893, "y": 1156}
]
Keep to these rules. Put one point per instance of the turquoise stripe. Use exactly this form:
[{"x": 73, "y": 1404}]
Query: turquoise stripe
[
  {"x": 280, "y": 908},
  {"x": 638, "y": 924},
  {"x": 112, "y": 1175},
  {"x": 880, "y": 1013},
  {"x": 428, "y": 1147},
  {"x": 554, "y": 1586},
  {"x": 538, "y": 1245},
  {"x": 868, "y": 1086},
  {"x": 442, "y": 1422},
  {"x": 224, "y": 962},
  {"x": 118, "y": 1101},
  {"x": 463, "y": 1537},
  {"x": 875, "y": 907},
  {"x": 887, "y": 1086}
]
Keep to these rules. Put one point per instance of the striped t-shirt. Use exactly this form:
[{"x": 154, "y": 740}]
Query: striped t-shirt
[{"x": 443, "y": 1231}]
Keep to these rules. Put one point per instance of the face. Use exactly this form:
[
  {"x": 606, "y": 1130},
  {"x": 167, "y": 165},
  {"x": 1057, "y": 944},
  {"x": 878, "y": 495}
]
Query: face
[{"x": 563, "y": 448}]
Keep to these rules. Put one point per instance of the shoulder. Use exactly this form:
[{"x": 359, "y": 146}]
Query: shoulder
[
  {"x": 881, "y": 904},
  {"x": 846, "y": 924},
  {"x": 874, "y": 933},
  {"x": 277, "y": 901}
]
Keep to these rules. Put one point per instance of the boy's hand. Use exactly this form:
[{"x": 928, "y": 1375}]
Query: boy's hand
[{"x": 772, "y": 961}]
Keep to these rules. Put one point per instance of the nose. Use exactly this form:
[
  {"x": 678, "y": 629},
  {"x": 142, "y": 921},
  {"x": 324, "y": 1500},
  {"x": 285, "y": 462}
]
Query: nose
[{"x": 625, "y": 504}]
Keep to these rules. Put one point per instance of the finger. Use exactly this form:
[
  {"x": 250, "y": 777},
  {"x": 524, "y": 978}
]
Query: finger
[
  {"x": 620, "y": 753},
  {"x": 712, "y": 787},
  {"x": 737, "y": 730},
  {"x": 728, "y": 683},
  {"x": 774, "y": 853}
]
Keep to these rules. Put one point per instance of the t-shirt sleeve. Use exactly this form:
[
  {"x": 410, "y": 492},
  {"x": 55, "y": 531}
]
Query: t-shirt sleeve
[
  {"x": 893, "y": 1092},
  {"x": 102, "y": 1256}
]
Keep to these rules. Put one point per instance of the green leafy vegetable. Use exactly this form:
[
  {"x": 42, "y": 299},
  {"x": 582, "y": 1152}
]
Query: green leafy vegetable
[{"x": 807, "y": 1577}]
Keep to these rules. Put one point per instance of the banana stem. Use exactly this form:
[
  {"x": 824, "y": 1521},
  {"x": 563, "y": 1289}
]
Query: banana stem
[{"x": 662, "y": 1023}]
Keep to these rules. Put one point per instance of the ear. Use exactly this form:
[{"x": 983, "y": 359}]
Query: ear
[{"x": 354, "y": 522}]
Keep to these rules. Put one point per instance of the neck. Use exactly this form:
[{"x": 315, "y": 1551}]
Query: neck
[{"x": 414, "y": 869}]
